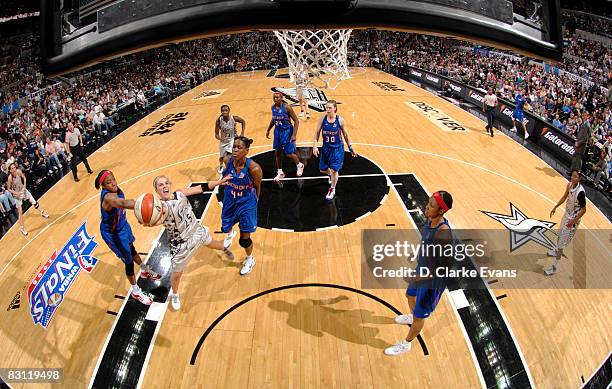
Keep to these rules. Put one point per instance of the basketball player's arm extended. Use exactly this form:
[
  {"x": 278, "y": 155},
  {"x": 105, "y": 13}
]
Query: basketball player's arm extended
[
  {"x": 111, "y": 200},
  {"x": 346, "y": 137},
  {"x": 257, "y": 175},
  {"x": 315, "y": 149},
  {"x": 296, "y": 122},
  {"x": 242, "y": 122},
  {"x": 194, "y": 190},
  {"x": 560, "y": 201}
]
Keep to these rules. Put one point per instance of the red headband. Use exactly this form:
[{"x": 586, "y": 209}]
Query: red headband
[
  {"x": 440, "y": 201},
  {"x": 103, "y": 177}
]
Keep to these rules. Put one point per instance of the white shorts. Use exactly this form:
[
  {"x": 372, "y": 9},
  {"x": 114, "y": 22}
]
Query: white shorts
[
  {"x": 225, "y": 148},
  {"x": 182, "y": 253},
  {"x": 565, "y": 234},
  {"x": 26, "y": 195}
]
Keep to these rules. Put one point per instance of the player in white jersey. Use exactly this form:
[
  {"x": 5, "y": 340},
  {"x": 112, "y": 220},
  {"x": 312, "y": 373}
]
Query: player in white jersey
[
  {"x": 185, "y": 234},
  {"x": 17, "y": 187},
  {"x": 225, "y": 132},
  {"x": 575, "y": 208},
  {"x": 301, "y": 83}
]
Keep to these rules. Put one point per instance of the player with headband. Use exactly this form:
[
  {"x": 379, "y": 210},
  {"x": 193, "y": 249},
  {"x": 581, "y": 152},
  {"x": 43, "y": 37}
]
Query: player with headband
[
  {"x": 424, "y": 293},
  {"x": 285, "y": 133},
  {"x": 117, "y": 233}
]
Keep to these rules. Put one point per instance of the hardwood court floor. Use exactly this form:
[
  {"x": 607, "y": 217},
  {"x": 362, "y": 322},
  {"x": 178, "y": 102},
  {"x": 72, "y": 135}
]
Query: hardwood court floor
[{"x": 311, "y": 336}]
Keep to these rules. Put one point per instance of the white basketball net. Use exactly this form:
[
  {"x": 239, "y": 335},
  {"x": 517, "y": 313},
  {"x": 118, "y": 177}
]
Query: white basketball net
[{"x": 321, "y": 52}]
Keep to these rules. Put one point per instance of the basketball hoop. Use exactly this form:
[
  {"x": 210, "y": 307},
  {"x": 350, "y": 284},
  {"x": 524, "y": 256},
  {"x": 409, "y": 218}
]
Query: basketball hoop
[{"x": 321, "y": 52}]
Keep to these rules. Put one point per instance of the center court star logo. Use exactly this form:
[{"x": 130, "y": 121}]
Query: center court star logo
[{"x": 523, "y": 228}]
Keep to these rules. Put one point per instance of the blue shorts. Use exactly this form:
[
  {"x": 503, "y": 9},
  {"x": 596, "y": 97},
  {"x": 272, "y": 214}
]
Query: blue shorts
[
  {"x": 121, "y": 243},
  {"x": 245, "y": 217},
  {"x": 331, "y": 157},
  {"x": 426, "y": 300},
  {"x": 518, "y": 115},
  {"x": 282, "y": 141}
]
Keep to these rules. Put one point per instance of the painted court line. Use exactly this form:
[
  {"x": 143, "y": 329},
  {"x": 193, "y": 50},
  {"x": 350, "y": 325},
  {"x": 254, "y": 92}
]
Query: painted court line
[
  {"x": 488, "y": 171},
  {"x": 269, "y": 146},
  {"x": 125, "y": 300}
]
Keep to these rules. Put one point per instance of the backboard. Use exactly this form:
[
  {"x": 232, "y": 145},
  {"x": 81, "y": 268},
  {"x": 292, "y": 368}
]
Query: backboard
[{"x": 91, "y": 31}]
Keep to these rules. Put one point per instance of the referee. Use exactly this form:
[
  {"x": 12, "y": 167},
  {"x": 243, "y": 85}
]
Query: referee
[
  {"x": 489, "y": 103},
  {"x": 74, "y": 145}
]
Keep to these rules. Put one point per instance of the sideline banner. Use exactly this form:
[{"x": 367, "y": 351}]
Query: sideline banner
[{"x": 540, "y": 131}]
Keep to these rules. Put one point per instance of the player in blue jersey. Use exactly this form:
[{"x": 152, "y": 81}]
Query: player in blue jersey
[
  {"x": 284, "y": 135},
  {"x": 117, "y": 233},
  {"x": 240, "y": 199},
  {"x": 423, "y": 291},
  {"x": 518, "y": 115},
  {"x": 332, "y": 127}
]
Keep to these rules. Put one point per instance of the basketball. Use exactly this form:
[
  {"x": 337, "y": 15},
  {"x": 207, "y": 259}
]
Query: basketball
[
  {"x": 55, "y": 299},
  {"x": 148, "y": 209}
]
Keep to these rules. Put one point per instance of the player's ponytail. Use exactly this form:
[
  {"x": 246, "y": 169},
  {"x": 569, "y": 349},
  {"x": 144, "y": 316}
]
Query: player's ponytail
[{"x": 247, "y": 141}]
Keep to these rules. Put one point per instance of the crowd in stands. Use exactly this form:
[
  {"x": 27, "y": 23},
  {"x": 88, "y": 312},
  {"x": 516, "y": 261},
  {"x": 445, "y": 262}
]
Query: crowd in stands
[
  {"x": 32, "y": 129},
  {"x": 586, "y": 22},
  {"x": 16, "y": 7},
  {"x": 36, "y": 112},
  {"x": 554, "y": 97}
]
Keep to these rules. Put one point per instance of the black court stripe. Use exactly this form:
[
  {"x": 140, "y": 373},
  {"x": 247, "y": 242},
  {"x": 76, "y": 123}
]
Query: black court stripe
[
  {"x": 119, "y": 366},
  {"x": 194, "y": 355}
]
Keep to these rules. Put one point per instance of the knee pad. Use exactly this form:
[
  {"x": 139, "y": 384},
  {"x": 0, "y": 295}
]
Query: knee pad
[
  {"x": 129, "y": 269},
  {"x": 245, "y": 242}
]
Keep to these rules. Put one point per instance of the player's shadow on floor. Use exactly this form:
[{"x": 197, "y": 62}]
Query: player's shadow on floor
[
  {"x": 199, "y": 175},
  {"x": 318, "y": 318},
  {"x": 548, "y": 171}
]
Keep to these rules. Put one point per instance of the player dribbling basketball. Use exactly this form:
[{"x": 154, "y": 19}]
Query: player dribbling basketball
[{"x": 185, "y": 234}]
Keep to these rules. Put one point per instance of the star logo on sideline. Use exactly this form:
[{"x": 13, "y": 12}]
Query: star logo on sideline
[{"x": 523, "y": 229}]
